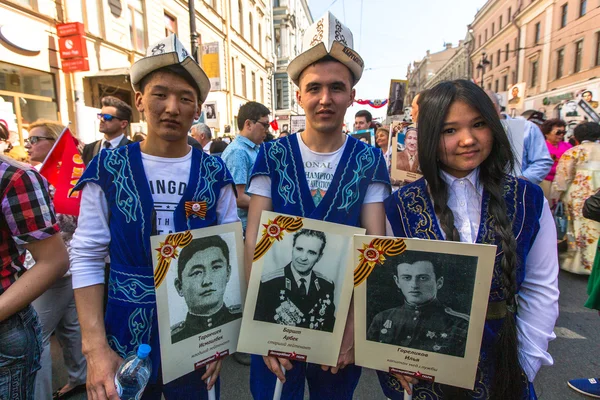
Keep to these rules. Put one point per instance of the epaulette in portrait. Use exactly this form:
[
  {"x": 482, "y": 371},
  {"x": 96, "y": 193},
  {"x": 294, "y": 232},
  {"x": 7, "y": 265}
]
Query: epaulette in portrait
[
  {"x": 175, "y": 329},
  {"x": 278, "y": 273},
  {"x": 321, "y": 276},
  {"x": 235, "y": 309},
  {"x": 450, "y": 311}
]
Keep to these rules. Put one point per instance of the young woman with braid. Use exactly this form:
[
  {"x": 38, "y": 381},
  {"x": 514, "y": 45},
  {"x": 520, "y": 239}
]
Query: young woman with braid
[{"x": 465, "y": 195}]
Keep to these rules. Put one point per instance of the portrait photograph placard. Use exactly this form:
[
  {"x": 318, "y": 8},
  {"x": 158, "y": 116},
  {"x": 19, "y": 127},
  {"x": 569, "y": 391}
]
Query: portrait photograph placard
[
  {"x": 200, "y": 290},
  {"x": 300, "y": 289},
  {"x": 405, "y": 159},
  {"x": 420, "y": 306},
  {"x": 365, "y": 135}
]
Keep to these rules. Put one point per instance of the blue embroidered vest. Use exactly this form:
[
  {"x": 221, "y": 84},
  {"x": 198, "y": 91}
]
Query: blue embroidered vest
[
  {"x": 360, "y": 165},
  {"x": 410, "y": 213},
  {"x": 130, "y": 318}
]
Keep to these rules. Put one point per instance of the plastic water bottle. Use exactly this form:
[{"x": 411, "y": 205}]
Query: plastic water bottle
[{"x": 132, "y": 376}]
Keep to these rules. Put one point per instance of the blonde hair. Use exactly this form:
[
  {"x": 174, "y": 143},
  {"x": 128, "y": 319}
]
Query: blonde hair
[
  {"x": 387, "y": 131},
  {"x": 53, "y": 128}
]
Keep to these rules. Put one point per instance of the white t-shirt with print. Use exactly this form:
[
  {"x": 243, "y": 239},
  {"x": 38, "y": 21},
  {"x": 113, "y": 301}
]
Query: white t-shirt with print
[
  {"x": 320, "y": 169},
  {"x": 168, "y": 179}
]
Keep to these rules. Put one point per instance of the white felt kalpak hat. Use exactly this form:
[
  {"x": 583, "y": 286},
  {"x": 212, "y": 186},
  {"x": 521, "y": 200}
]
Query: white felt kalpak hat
[
  {"x": 166, "y": 52},
  {"x": 327, "y": 36}
]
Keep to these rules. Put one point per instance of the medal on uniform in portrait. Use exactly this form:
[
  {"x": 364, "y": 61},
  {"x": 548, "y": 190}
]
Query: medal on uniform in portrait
[
  {"x": 200, "y": 286},
  {"x": 414, "y": 319},
  {"x": 300, "y": 289}
]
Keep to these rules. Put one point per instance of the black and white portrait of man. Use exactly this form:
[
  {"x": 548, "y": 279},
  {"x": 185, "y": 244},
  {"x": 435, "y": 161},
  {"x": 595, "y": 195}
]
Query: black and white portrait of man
[
  {"x": 203, "y": 272},
  {"x": 407, "y": 308},
  {"x": 297, "y": 293}
]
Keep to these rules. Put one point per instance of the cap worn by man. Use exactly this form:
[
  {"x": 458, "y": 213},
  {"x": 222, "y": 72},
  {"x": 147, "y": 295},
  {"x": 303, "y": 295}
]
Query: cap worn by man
[{"x": 327, "y": 37}]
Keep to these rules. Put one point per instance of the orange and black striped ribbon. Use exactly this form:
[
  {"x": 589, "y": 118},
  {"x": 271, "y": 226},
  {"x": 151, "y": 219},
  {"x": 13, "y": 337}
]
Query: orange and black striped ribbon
[
  {"x": 189, "y": 208},
  {"x": 389, "y": 247},
  {"x": 289, "y": 224},
  {"x": 177, "y": 240}
]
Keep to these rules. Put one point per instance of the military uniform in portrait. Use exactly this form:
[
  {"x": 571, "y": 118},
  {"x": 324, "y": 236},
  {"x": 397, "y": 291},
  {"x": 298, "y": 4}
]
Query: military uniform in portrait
[
  {"x": 282, "y": 300},
  {"x": 196, "y": 324},
  {"x": 429, "y": 327}
]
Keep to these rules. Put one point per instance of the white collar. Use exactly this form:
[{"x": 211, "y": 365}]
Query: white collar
[
  {"x": 114, "y": 143},
  {"x": 297, "y": 277},
  {"x": 473, "y": 178}
]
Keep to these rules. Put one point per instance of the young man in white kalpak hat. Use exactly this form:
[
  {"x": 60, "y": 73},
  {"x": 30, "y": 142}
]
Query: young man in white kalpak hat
[
  {"x": 124, "y": 202},
  {"x": 327, "y": 176}
]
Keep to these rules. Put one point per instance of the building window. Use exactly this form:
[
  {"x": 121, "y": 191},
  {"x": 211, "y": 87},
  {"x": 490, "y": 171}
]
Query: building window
[
  {"x": 506, "y": 51},
  {"x": 278, "y": 41},
  {"x": 90, "y": 11},
  {"x": 275, "y": 3},
  {"x": 233, "y": 75},
  {"x": 251, "y": 28},
  {"x": 534, "y": 73},
  {"x": 491, "y": 60},
  {"x": 137, "y": 30},
  {"x": 514, "y": 77},
  {"x": 582, "y": 7},
  {"x": 170, "y": 25},
  {"x": 578, "y": 56},
  {"x": 244, "y": 88},
  {"x": 564, "y": 10},
  {"x": 560, "y": 60},
  {"x": 597, "y": 49},
  {"x": 509, "y": 14},
  {"x": 496, "y": 85},
  {"x": 493, "y": 28},
  {"x": 485, "y": 36},
  {"x": 259, "y": 38},
  {"x": 500, "y": 23},
  {"x": 279, "y": 94},
  {"x": 254, "y": 86},
  {"x": 262, "y": 90},
  {"x": 241, "y": 16},
  {"x": 479, "y": 39},
  {"x": 498, "y": 58},
  {"x": 516, "y": 48},
  {"x": 505, "y": 82},
  {"x": 538, "y": 31}
]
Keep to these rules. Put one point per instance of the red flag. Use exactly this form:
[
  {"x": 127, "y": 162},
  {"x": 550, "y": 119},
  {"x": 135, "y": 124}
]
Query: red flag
[
  {"x": 62, "y": 168},
  {"x": 274, "y": 125}
]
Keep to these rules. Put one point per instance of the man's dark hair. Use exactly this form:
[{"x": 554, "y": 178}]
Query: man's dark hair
[
  {"x": 217, "y": 147},
  {"x": 175, "y": 70},
  {"x": 123, "y": 109},
  {"x": 309, "y": 232},
  {"x": 198, "y": 245},
  {"x": 412, "y": 256},
  {"x": 252, "y": 111},
  {"x": 549, "y": 124},
  {"x": 587, "y": 131},
  {"x": 366, "y": 114}
]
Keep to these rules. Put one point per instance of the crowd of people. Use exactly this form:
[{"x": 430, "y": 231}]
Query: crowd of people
[{"x": 64, "y": 274}]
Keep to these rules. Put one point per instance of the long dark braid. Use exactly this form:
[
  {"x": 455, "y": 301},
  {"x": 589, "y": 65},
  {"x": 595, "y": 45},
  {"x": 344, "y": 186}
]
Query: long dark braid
[{"x": 434, "y": 106}]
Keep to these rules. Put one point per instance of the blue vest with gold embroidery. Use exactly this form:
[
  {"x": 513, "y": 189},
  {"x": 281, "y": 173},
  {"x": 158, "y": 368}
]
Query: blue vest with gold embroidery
[
  {"x": 359, "y": 166},
  {"x": 131, "y": 310},
  {"x": 410, "y": 213}
]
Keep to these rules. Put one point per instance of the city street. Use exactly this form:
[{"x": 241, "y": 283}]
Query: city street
[{"x": 576, "y": 354}]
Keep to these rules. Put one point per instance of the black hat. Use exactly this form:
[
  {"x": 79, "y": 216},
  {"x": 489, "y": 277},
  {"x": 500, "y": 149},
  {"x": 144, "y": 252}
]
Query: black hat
[{"x": 537, "y": 117}]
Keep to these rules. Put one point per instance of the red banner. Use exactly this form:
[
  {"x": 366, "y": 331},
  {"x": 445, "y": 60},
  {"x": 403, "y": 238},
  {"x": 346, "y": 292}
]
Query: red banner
[{"x": 62, "y": 168}]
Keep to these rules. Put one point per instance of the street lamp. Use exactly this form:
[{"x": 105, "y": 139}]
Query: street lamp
[{"x": 482, "y": 63}]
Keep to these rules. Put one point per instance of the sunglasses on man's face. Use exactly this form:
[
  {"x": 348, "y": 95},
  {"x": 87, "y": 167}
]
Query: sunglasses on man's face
[
  {"x": 35, "y": 139},
  {"x": 108, "y": 117},
  {"x": 266, "y": 125}
]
